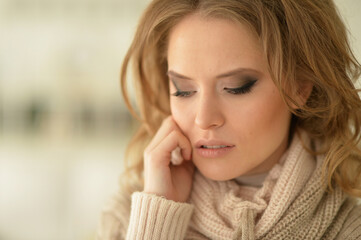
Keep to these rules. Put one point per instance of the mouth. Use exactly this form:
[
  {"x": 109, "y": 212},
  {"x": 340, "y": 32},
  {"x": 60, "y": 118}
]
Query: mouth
[{"x": 214, "y": 146}]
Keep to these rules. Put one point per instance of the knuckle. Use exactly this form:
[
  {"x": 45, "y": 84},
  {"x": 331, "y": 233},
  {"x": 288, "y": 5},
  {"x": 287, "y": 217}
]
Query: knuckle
[
  {"x": 152, "y": 156},
  {"x": 148, "y": 155},
  {"x": 146, "y": 151},
  {"x": 176, "y": 133},
  {"x": 168, "y": 122}
]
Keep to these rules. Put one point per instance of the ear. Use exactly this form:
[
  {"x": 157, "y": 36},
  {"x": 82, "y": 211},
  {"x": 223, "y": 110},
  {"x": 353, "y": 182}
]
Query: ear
[{"x": 303, "y": 93}]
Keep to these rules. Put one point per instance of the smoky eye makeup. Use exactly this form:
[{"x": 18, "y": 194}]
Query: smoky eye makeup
[
  {"x": 244, "y": 85},
  {"x": 179, "y": 92}
]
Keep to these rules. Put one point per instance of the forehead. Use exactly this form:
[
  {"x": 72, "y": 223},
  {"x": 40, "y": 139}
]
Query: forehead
[{"x": 212, "y": 45}]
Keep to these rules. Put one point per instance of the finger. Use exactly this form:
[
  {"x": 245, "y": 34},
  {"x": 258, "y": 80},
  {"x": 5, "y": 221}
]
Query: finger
[
  {"x": 175, "y": 139},
  {"x": 184, "y": 145},
  {"x": 176, "y": 157},
  {"x": 165, "y": 129}
]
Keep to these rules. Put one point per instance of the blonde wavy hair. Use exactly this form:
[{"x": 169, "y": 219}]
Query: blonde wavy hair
[{"x": 305, "y": 42}]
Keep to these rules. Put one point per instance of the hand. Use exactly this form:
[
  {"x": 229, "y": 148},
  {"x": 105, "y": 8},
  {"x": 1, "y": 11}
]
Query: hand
[{"x": 161, "y": 177}]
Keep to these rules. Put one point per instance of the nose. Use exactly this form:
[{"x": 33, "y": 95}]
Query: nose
[{"x": 208, "y": 112}]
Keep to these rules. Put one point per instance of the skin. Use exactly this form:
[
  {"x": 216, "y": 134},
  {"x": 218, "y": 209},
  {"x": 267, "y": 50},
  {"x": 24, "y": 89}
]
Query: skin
[{"x": 254, "y": 123}]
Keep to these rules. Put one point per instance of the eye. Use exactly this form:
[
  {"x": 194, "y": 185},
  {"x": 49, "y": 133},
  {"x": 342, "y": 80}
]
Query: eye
[
  {"x": 182, "y": 93},
  {"x": 242, "y": 90}
]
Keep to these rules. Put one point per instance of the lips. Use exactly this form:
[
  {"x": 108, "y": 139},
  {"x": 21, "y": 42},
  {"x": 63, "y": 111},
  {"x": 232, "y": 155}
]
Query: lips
[
  {"x": 213, "y": 148},
  {"x": 212, "y": 144}
]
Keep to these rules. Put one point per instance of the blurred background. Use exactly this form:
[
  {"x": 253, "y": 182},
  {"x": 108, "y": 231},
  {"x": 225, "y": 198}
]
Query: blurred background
[{"x": 63, "y": 123}]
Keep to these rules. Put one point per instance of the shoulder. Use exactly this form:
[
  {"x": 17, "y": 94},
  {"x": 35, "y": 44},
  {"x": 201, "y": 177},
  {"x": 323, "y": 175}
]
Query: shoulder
[{"x": 351, "y": 228}]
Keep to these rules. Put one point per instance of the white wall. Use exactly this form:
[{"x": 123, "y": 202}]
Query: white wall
[{"x": 351, "y": 11}]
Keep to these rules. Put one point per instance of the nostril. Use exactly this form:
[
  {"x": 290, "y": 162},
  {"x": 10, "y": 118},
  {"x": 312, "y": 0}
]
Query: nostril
[
  {"x": 210, "y": 122},
  {"x": 208, "y": 113}
]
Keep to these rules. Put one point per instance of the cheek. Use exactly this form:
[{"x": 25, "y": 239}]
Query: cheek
[
  {"x": 267, "y": 114},
  {"x": 182, "y": 115},
  {"x": 276, "y": 112},
  {"x": 176, "y": 109},
  {"x": 275, "y": 120}
]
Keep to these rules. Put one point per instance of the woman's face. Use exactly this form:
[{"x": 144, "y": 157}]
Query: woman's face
[{"x": 223, "y": 98}]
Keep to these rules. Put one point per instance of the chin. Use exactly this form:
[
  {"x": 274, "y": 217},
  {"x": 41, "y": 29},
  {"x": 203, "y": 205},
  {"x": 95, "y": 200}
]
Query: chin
[{"x": 218, "y": 173}]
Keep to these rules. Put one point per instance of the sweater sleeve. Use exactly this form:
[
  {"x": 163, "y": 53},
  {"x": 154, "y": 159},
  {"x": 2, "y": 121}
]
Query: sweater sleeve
[{"x": 155, "y": 217}]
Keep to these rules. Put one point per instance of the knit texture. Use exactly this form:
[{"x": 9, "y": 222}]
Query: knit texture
[
  {"x": 157, "y": 218},
  {"x": 291, "y": 204}
]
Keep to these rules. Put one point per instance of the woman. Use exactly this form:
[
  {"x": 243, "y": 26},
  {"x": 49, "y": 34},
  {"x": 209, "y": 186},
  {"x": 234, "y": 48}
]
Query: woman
[{"x": 249, "y": 124}]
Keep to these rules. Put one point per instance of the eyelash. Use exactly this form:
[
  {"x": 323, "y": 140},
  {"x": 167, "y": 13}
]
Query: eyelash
[
  {"x": 236, "y": 91},
  {"x": 242, "y": 90},
  {"x": 182, "y": 94}
]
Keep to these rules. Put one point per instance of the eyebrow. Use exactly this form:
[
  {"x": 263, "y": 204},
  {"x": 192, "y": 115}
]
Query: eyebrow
[{"x": 231, "y": 73}]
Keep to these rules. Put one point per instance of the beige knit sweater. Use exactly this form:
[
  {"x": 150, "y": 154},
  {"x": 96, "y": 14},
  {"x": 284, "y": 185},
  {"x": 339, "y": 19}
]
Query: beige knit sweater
[{"x": 291, "y": 204}]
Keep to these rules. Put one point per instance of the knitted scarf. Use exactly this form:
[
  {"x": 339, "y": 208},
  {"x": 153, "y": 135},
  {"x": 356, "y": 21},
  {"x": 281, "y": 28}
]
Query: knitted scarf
[{"x": 291, "y": 204}]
